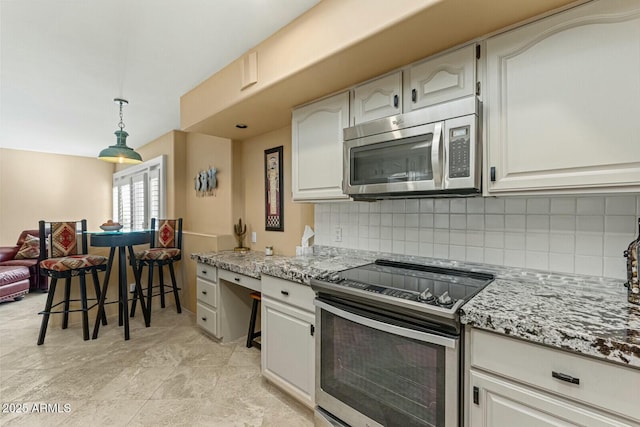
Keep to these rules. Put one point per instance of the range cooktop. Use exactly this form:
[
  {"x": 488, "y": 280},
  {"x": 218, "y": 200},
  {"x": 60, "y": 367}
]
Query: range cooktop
[{"x": 426, "y": 288}]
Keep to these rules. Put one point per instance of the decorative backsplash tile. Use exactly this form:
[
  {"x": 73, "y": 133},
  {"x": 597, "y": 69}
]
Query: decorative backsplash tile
[{"x": 582, "y": 235}]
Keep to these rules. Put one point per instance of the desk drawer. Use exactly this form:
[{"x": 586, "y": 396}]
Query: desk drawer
[
  {"x": 207, "y": 319},
  {"x": 601, "y": 384},
  {"x": 208, "y": 272},
  {"x": 293, "y": 293},
  {"x": 207, "y": 292},
  {"x": 240, "y": 279}
]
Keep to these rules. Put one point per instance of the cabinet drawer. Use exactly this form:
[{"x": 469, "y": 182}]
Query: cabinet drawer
[
  {"x": 208, "y": 319},
  {"x": 601, "y": 384},
  {"x": 293, "y": 293},
  {"x": 208, "y": 272},
  {"x": 240, "y": 279},
  {"x": 207, "y": 292}
]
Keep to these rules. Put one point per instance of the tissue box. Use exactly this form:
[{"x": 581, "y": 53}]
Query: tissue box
[{"x": 304, "y": 251}]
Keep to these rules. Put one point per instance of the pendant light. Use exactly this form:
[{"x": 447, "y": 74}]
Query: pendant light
[{"x": 120, "y": 153}]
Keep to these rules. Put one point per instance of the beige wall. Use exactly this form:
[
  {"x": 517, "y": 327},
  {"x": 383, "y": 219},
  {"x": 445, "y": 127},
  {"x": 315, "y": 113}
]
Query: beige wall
[
  {"x": 326, "y": 50},
  {"x": 296, "y": 215},
  {"x": 35, "y": 186},
  {"x": 208, "y": 221},
  {"x": 209, "y": 214}
]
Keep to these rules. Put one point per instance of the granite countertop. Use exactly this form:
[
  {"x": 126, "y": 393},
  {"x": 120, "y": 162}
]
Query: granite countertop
[
  {"x": 299, "y": 269},
  {"x": 583, "y": 314}
]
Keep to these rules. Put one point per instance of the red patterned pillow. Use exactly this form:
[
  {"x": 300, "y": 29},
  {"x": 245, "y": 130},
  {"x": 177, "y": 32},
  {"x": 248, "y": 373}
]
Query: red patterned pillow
[{"x": 30, "y": 248}]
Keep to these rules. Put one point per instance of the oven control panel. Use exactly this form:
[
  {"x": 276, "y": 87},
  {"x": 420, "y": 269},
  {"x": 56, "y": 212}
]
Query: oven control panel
[{"x": 397, "y": 293}]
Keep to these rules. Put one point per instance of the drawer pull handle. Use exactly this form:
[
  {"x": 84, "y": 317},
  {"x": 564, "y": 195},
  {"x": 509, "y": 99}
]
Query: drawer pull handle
[
  {"x": 204, "y": 319},
  {"x": 565, "y": 377},
  {"x": 285, "y": 293},
  {"x": 204, "y": 271},
  {"x": 237, "y": 279},
  {"x": 204, "y": 292}
]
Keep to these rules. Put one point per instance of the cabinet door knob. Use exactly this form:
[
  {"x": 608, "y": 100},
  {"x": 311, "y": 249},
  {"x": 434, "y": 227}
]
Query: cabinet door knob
[
  {"x": 414, "y": 95},
  {"x": 395, "y": 101},
  {"x": 204, "y": 292},
  {"x": 204, "y": 271},
  {"x": 285, "y": 293},
  {"x": 564, "y": 377},
  {"x": 204, "y": 319}
]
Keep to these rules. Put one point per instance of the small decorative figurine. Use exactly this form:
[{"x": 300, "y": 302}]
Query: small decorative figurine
[{"x": 240, "y": 230}]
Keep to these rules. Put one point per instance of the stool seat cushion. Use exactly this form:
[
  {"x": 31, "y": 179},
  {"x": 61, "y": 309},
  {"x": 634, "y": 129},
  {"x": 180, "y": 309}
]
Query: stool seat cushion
[
  {"x": 72, "y": 262},
  {"x": 157, "y": 254}
]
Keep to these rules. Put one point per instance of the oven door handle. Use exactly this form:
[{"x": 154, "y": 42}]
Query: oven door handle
[{"x": 386, "y": 327}]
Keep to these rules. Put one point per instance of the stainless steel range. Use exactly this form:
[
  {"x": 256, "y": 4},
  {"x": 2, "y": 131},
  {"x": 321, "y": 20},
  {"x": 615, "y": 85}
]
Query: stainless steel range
[{"x": 388, "y": 350}]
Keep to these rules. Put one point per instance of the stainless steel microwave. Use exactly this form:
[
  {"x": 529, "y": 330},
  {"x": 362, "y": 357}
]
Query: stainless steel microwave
[{"x": 433, "y": 151}]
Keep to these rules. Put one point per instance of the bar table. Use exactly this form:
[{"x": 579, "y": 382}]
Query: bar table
[{"x": 123, "y": 241}]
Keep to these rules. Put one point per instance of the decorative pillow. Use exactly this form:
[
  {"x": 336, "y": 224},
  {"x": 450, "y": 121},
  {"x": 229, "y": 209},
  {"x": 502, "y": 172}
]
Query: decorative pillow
[{"x": 30, "y": 248}]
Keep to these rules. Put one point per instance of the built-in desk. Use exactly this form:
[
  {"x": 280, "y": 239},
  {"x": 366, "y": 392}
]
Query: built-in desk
[{"x": 224, "y": 305}]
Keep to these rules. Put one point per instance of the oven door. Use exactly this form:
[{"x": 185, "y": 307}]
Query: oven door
[
  {"x": 404, "y": 160},
  {"x": 374, "y": 372}
]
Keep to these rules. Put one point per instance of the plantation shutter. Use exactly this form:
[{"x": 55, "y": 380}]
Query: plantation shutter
[{"x": 138, "y": 194}]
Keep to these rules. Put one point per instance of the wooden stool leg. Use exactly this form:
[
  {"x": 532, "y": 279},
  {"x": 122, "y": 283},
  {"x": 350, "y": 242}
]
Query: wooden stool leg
[
  {"x": 47, "y": 310},
  {"x": 85, "y": 310},
  {"x": 67, "y": 296},
  {"x": 175, "y": 288},
  {"x": 252, "y": 323}
]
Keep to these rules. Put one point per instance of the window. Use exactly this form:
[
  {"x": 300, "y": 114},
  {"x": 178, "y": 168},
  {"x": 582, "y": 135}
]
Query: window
[{"x": 139, "y": 194}]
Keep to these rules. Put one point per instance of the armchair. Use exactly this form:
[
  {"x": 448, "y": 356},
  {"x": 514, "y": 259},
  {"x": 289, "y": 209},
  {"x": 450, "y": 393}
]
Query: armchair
[{"x": 8, "y": 258}]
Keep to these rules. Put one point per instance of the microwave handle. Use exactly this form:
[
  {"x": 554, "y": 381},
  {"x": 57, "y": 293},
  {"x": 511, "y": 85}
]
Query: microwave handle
[{"x": 435, "y": 155}]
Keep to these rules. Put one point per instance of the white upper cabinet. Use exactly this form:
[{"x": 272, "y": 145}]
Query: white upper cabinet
[
  {"x": 443, "y": 78},
  {"x": 376, "y": 99},
  {"x": 562, "y": 102},
  {"x": 316, "y": 132}
]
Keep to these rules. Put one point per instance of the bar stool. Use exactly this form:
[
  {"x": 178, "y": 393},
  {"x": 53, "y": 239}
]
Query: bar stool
[
  {"x": 65, "y": 257},
  {"x": 252, "y": 334},
  {"x": 166, "y": 249}
]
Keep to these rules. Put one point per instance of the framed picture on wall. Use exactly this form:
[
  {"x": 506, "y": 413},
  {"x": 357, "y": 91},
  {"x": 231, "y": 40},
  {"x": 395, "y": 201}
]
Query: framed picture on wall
[{"x": 274, "y": 218}]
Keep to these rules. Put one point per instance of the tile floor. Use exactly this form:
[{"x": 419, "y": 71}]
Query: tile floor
[{"x": 170, "y": 374}]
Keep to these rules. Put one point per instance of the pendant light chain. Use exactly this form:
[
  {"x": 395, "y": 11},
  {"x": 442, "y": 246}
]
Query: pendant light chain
[{"x": 121, "y": 124}]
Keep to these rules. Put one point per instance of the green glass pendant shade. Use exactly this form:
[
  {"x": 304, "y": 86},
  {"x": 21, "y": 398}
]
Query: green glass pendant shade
[{"x": 120, "y": 153}]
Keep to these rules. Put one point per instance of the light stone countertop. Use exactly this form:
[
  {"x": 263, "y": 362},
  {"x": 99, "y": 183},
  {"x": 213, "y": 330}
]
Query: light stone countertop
[{"x": 584, "y": 314}]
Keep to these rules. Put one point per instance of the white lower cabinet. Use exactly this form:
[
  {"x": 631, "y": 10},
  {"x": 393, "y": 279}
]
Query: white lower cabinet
[
  {"x": 224, "y": 305},
  {"x": 516, "y": 383},
  {"x": 208, "y": 294},
  {"x": 288, "y": 342},
  {"x": 506, "y": 403}
]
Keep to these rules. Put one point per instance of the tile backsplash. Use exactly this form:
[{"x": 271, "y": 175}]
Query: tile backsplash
[{"x": 582, "y": 235}]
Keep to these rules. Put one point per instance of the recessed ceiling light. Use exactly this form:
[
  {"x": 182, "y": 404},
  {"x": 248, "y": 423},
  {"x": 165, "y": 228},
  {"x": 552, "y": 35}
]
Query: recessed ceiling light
[{"x": 241, "y": 126}]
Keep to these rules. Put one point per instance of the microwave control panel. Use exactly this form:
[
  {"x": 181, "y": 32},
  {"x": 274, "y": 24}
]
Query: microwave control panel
[{"x": 459, "y": 152}]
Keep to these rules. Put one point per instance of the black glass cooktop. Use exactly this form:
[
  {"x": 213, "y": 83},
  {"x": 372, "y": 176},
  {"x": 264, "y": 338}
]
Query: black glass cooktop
[{"x": 414, "y": 282}]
